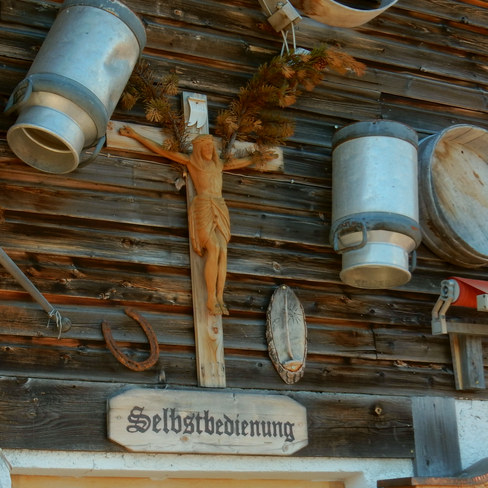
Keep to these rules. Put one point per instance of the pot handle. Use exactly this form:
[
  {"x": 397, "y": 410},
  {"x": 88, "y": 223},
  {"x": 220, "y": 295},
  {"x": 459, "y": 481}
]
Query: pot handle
[
  {"x": 92, "y": 156},
  {"x": 349, "y": 225},
  {"x": 413, "y": 261}
]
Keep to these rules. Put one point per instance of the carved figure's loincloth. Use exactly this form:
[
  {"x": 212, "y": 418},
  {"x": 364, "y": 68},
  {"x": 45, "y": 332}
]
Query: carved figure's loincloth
[{"x": 206, "y": 214}]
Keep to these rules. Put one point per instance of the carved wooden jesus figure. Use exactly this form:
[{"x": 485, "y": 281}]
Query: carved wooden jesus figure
[{"x": 209, "y": 222}]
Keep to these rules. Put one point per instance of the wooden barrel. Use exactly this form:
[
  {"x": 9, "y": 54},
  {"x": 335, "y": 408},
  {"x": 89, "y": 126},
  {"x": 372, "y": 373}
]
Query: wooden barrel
[{"x": 453, "y": 194}]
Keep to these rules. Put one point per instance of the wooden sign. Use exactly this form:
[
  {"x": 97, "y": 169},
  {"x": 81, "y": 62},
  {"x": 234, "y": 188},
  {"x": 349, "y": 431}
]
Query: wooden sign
[{"x": 147, "y": 420}]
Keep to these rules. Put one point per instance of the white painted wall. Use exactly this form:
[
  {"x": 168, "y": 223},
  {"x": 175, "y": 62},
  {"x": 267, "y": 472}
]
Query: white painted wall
[
  {"x": 4, "y": 471},
  {"x": 472, "y": 420},
  {"x": 356, "y": 473}
]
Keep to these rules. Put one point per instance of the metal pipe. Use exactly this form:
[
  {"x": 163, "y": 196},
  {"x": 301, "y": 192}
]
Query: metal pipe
[{"x": 62, "y": 323}]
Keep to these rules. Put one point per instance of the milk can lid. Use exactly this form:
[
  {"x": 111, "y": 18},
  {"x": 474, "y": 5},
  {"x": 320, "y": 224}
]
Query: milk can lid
[{"x": 386, "y": 128}]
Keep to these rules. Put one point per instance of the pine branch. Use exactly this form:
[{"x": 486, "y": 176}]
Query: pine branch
[
  {"x": 155, "y": 95},
  {"x": 256, "y": 113}
]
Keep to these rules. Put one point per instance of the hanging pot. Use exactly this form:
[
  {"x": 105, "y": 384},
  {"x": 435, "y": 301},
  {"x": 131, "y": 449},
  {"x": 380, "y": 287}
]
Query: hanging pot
[
  {"x": 74, "y": 83},
  {"x": 337, "y": 14},
  {"x": 375, "y": 202}
]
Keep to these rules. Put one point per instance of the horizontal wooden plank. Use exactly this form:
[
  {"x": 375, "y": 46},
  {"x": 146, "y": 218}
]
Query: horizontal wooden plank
[
  {"x": 78, "y": 360},
  {"x": 428, "y": 117},
  {"x": 156, "y": 213},
  {"x": 458, "y": 10},
  {"x": 396, "y": 53},
  {"x": 249, "y": 284},
  {"x": 72, "y": 416},
  {"x": 115, "y": 141},
  {"x": 438, "y": 28},
  {"x": 29, "y": 12},
  {"x": 117, "y": 258}
]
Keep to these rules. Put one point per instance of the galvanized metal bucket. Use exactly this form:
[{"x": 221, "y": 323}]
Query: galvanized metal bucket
[
  {"x": 339, "y": 14},
  {"x": 74, "y": 83},
  {"x": 375, "y": 202},
  {"x": 453, "y": 182}
]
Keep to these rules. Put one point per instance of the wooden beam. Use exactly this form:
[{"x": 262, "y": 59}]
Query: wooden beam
[
  {"x": 209, "y": 337},
  {"x": 436, "y": 437},
  {"x": 343, "y": 425},
  {"x": 120, "y": 143},
  {"x": 467, "y": 361}
]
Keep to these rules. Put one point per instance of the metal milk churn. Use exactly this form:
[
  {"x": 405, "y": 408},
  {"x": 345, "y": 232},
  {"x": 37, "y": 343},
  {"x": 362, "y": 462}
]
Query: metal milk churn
[
  {"x": 74, "y": 83},
  {"x": 375, "y": 216}
]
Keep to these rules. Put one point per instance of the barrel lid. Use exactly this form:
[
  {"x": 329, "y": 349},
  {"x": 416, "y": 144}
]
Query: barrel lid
[
  {"x": 453, "y": 201},
  {"x": 385, "y": 128},
  {"x": 118, "y": 9}
]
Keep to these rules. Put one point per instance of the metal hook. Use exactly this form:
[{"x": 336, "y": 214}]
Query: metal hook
[{"x": 120, "y": 356}]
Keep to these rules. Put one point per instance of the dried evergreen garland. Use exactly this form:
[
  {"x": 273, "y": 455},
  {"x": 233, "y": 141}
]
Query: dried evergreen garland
[
  {"x": 159, "y": 107},
  {"x": 256, "y": 114}
]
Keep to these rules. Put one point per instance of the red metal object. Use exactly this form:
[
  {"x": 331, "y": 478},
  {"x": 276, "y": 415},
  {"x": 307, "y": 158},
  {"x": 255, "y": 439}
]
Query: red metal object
[{"x": 120, "y": 356}]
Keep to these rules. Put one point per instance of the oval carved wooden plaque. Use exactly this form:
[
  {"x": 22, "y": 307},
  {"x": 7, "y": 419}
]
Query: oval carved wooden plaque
[{"x": 287, "y": 334}]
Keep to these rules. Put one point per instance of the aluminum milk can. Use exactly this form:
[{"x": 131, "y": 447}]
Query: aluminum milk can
[
  {"x": 375, "y": 216},
  {"x": 74, "y": 83}
]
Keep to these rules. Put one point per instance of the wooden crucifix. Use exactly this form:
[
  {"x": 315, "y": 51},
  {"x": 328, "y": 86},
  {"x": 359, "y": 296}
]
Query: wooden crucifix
[{"x": 209, "y": 229}]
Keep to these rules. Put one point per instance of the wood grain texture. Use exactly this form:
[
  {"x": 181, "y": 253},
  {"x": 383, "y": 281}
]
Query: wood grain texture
[
  {"x": 72, "y": 415},
  {"x": 286, "y": 333},
  {"x": 114, "y": 233},
  {"x": 149, "y": 420},
  {"x": 436, "y": 437},
  {"x": 27, "y": 481}
]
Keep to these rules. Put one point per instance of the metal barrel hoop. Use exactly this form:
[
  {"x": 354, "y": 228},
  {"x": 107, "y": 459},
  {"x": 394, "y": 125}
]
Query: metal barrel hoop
[{"x": 120, "y": 356}]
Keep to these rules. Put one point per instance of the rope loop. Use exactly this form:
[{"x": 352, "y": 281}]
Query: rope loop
[{"x": 63, "y": 324}]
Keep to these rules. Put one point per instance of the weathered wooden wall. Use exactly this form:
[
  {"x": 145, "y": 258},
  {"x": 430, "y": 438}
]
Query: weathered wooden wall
[{"x": 114, "y": 233}]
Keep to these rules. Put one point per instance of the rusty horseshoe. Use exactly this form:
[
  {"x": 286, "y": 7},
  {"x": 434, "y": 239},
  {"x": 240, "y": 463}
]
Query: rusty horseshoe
[{"x": 120, "y": 356}]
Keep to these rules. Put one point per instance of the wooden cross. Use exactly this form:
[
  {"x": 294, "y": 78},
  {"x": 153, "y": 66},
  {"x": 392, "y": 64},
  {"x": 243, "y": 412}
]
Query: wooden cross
[{"x": 209, "y": 339}]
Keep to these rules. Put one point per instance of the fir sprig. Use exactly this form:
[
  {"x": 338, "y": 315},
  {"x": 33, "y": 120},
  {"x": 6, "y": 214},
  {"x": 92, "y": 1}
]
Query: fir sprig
[
  {"x": 159, "y": 108},
  {"x": 256, "y": 112}
]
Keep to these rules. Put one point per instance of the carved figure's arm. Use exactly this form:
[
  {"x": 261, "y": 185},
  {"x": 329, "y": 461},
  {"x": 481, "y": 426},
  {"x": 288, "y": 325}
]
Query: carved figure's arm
[
  {"x": 237, "y": 163},
  {"x": 259, "y": 158},
  {"x": 153, "y": 146}
]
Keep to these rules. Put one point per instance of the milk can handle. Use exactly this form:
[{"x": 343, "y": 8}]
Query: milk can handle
[
  {"x": 92, "y": 156},
  {"x": 12, "y": 103},
  {"x": 413, "y": 261},
  {"x": 348, "y": 225}
]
